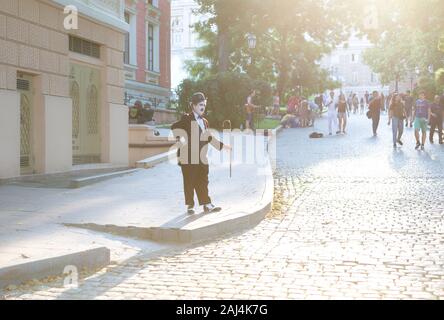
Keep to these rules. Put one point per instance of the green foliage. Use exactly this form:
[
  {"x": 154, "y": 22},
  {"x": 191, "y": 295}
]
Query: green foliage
[
  {"x": 439, "y": 77},
  {"x": 227, "y": 94},
  {"x": 291, "y": 36},
  {"x": 407, "y": 37},
  {"x": 428, "y": 85}
]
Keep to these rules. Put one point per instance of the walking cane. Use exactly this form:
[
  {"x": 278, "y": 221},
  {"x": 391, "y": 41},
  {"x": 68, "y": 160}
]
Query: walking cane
[{"x": 229, "y": 124}]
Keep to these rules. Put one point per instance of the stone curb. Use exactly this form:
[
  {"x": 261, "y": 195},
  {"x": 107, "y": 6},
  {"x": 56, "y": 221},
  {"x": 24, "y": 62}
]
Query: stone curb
[
  {"x": 78, "y": 183},
  {"x": 90, "y": 259},
  {"x": 152, "y": 161},
  {"x": 179, "y": 235}
]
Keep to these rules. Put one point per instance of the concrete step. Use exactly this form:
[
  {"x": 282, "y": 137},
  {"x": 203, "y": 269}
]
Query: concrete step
[
  {"x": 17, "y": 274},
  {"x": 81, "y": 182}
]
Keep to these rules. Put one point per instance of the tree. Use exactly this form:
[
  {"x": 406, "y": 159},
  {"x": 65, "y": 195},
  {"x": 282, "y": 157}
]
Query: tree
[
  {"x": 291, "y": 38},
  {"x": 406, "y": 37}
]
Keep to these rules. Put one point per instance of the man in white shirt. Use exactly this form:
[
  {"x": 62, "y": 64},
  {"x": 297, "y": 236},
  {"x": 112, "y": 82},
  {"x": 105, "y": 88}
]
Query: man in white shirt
[{"x": 332, "y": 115}]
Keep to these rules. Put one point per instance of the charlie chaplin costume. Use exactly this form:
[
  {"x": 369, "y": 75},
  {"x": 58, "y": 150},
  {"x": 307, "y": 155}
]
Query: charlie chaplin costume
[{"x": 192, "y": 154}]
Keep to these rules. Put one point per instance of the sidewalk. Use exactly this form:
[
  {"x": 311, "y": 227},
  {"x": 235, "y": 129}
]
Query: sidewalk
[{"x": 140, "y": 212}]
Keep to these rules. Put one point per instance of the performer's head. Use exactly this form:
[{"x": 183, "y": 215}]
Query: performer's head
[{"x": 198, "y": 103}]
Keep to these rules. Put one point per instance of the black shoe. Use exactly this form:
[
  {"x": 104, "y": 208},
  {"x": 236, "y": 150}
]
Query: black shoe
[
  {"x": 338, "y": 132},
  {"x": 417, "y": 146},
  {"x": 400, "y": 142},
  {"x": 210, "y": 208},
  {"x": 441, "y": 142},
  {"x": 431, "y": 141},
  {"x": 190, "y": 210},
  {"x": 422, "y": 147},
  {"x": 394, "y": 146}
]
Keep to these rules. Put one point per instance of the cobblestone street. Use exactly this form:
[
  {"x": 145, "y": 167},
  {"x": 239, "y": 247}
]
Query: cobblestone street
[{"x": 352, "y": 219}]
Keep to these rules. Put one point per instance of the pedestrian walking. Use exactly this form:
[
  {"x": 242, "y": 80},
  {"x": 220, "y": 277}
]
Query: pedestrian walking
[
  {"x": 382, "y": 102},
  {"x": 304, "y": 113},
  {"x": 332, "y": 115},
  {"x": 319, "y": 100},
  {"x": 362, "y": 105},
  {"x": 375, "y": 111},
  {"x": 436, "y": 116},
  {"x": 396, "y": 117},
  {"x": 342, "y": 113},
  {"x": 408, "y": 105},
  {"x": 421, "y": 115},
  {"x": 276, "y": 104},
  {"x": 193, "y": 129},
  {"x": 355, "y": 102},
  {"x": 249, "y": 110}
]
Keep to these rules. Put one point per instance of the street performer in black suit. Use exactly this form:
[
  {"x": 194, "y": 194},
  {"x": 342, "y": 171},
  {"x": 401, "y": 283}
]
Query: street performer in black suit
[{"x": 194, "y": 132}]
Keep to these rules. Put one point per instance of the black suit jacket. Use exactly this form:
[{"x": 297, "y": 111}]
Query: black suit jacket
[{"x": 196, "y": 141}]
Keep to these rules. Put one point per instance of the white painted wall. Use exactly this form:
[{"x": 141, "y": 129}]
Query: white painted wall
[
  {"x": 118, "y": 143},
  {"x": 58, "y": 134},
  {"x": 9, "y": 134}
]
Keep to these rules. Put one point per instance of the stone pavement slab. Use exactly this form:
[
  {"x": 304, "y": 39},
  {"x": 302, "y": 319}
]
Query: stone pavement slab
[
  {"x": 367, "y": 227},
  {"x": 147, "y": 203}
]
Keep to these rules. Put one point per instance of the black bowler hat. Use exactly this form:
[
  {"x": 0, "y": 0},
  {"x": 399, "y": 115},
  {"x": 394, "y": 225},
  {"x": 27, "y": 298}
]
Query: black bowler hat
[{"x": 197, "y": 98}]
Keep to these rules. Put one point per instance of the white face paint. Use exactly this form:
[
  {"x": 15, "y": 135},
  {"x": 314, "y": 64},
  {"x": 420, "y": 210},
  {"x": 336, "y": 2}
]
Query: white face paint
[{"x": 200, "y": 108}]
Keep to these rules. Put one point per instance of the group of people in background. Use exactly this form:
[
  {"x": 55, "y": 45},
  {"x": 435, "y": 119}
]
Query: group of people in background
[
  {"x": 402, "y": 111},
  {"x": 300, "y": 113},
  {"x": 419, "y": 114}
]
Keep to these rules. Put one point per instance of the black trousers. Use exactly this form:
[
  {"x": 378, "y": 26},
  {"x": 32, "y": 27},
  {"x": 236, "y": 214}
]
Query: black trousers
[
  {"x": 195, "y": 178},
  {"x": 435, "y": 123},
  {"x": 375, "y": 122}
]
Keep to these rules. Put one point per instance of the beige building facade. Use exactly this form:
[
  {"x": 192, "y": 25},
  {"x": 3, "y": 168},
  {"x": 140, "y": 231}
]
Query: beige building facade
[{"x": 61, "y": 91}]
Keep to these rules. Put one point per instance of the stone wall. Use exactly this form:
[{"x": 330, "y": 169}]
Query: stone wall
[{"x": 33, "y": 41}]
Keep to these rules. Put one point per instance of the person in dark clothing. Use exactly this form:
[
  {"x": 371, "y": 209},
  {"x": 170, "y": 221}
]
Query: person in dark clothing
[
  {"x": 408, "y": 104},
  {"x": 382, "y": 102},
  {"x": 436, "y": 114},
  {"x": 319, "y": 100},
  {"x": 192, "y": 155},
  {"x": 375, "y": 111},
  {"x": 396, "y": 116}
]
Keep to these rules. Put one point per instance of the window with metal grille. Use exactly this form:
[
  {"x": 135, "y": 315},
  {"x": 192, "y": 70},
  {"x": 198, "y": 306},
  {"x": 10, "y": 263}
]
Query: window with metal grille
[
  {"x": 85, "y": 47},
  {"x": 126, "y": 54},
  {"x": 22, "y": 84},
  {"x": 150, "y": 47}
]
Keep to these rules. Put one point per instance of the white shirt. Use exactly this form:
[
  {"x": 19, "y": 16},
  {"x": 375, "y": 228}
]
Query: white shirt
[
  {"x": 200, "y": 121},
  {"x": 331, "y": 105}
]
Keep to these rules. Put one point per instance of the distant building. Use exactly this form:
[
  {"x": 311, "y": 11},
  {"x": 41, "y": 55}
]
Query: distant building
[
  {"x": 184, "y": 40},
  {"x": 147, "y": 55},
  {"x": 347, "y": 66}
]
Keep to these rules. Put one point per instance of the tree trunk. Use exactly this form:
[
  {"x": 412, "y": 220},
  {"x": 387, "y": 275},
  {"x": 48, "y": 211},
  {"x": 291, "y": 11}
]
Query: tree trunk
[
  {"x": 282, "y": 67},
  {"x": 223, "y": 49}
]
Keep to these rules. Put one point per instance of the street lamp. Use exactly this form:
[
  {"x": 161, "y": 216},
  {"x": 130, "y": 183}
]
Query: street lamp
[{"x": 251, "y": 40}]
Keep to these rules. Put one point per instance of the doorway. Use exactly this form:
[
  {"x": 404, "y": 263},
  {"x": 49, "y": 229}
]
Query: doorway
[
  {"x": 84, "y": 91},
  {"x": 26, "y": 92}
]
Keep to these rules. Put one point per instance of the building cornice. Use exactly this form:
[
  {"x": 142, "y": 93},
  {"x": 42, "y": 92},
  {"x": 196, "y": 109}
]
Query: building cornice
[{"x": 94, "y": 12}]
